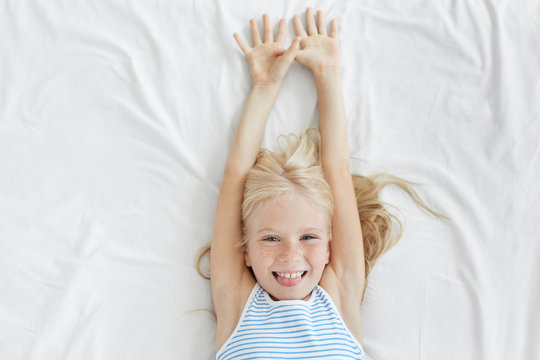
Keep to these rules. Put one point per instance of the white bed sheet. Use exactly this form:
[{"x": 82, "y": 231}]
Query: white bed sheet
[{"x": 115, "y": 122}]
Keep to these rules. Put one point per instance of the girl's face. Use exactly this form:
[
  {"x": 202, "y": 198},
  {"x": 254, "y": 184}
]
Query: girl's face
[{"x": 288, "y": 246}]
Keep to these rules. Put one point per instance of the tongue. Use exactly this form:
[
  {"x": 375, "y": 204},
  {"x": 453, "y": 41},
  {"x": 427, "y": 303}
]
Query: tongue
[{"x": 289, "y": 281}]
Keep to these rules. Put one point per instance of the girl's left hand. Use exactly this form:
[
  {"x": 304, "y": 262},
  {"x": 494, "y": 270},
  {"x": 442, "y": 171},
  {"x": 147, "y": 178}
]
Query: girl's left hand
[
  {"x": 320, "y": 51},
  {"x": 268, "y": 62}
]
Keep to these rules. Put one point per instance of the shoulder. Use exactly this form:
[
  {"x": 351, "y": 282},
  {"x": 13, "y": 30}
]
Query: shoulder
[
  {"x": 227, "y": 319},
  {"x": 347, "y": 304}
]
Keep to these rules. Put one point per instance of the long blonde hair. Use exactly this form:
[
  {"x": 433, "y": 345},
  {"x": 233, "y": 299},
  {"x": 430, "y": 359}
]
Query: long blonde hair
[{"x": 297, "y": 166}]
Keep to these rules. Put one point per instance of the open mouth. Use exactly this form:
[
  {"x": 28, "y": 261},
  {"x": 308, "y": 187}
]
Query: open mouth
[{"x": 289, "y": 279}]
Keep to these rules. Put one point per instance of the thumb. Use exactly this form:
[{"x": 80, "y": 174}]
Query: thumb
[
  {"x": 284, "y": 62},
  {"x": 291, "y": 52}
]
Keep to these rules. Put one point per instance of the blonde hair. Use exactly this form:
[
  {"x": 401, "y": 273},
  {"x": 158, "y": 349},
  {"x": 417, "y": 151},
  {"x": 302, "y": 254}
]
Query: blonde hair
[{"x": 298, "y": 167}]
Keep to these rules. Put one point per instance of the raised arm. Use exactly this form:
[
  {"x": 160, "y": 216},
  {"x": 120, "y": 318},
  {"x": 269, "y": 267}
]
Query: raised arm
[
  {"x": 347, "y": 245},
  {"x": 321, "y": 55},
  {"x": 268, "y": 65}
]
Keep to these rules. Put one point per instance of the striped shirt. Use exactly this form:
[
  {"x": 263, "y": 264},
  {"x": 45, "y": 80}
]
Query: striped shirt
[{"x": 290, "y": 329}]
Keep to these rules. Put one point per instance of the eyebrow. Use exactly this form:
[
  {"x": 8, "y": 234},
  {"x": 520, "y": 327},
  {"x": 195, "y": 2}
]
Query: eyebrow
[{"x": 303, "y": 230}]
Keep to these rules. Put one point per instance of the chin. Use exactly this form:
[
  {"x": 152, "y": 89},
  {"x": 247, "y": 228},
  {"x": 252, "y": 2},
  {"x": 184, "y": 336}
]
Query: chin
[{"x": 294, "y": 294}]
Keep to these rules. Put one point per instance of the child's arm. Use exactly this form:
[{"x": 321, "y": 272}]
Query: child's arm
[
  {"x": 321, "y": 55},
  {"x": 268, "y": 65},
  {"x": 347, "y": 256}
]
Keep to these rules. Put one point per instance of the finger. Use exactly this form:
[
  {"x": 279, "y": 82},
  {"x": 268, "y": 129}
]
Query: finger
[
  {"x": 310, "y": 21},
  {"x": 293, "y": 49},
  {"x": 299, "y": 28},
  {"x": 320, "y": 20},
  {"x": 290, "y": 54},
  {"x": 245, "y": 47},
  {"x": 255, "y": 33},
  {"x": 334, "y": 29},
  {"x": 281, "y": 32},
  {"x": 294, "y": 46},
  {"x": 268, "y": 33}
]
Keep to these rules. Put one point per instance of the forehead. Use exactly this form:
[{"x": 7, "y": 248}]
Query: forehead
[{"x": 288, "y": 211}]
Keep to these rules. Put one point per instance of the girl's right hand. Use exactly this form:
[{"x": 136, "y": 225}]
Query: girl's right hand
[
  {"x": 268, "y": 62},
  {"x": 320, "y": 52}
]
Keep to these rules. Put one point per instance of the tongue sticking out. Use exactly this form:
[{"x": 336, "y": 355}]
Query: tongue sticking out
[{"x": 289, "y": 281}]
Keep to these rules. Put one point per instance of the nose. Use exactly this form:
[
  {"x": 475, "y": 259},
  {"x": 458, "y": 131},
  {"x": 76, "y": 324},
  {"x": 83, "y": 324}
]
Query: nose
[{"x": 290, "y": 251}]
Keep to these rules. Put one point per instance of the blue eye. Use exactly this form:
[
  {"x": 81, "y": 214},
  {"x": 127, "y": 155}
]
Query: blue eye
[
  {"x": 271, "y": 238},
  {"x": 307, "y": 237}
]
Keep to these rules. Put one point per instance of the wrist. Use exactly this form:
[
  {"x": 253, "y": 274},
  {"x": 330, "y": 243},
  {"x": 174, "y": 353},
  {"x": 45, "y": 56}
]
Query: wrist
[
  {"x": 326, "y": 72},
  {"x": 266, "y": 87}
]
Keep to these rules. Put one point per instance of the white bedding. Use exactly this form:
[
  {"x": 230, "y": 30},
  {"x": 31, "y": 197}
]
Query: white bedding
[{"x": 115, "y": 122}]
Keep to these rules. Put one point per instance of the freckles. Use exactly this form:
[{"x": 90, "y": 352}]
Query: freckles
[
  {"x": 317, "y": 251},
  {"x": 265, "y": 253}
]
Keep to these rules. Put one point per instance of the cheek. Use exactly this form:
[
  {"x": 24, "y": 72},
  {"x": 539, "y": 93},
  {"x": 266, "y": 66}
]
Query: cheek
[
  {"x": 318, "y": 253},
  {"x": 263, "y": 255}
]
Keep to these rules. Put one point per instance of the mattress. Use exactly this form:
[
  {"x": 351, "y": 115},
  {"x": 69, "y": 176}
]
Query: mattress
[{"x": 115, "y": 121}]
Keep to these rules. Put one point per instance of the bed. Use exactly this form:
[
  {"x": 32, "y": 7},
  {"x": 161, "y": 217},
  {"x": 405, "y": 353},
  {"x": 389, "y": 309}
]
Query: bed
[{"x": 115, "y": 122}]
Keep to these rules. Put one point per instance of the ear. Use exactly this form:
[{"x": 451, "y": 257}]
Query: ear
[
  {"x": 328, "y": 249},
  {"x": 247, "y": 260}
]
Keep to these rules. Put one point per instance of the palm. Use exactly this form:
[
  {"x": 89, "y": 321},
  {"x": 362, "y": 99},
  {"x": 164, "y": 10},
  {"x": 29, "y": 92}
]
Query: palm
[
  {"x": 319, "y": 51},
  {"x": 265, "y": 63},
  {"x": 268, "y": 62}
]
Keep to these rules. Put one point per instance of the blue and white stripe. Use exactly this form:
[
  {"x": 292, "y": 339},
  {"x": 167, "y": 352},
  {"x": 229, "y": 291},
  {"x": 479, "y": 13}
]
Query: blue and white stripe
[{"x": 290, "y": 329}]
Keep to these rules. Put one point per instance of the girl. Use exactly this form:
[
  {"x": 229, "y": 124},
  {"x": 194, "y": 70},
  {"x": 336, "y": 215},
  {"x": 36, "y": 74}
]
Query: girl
[{"x": 291, "y": 228}]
